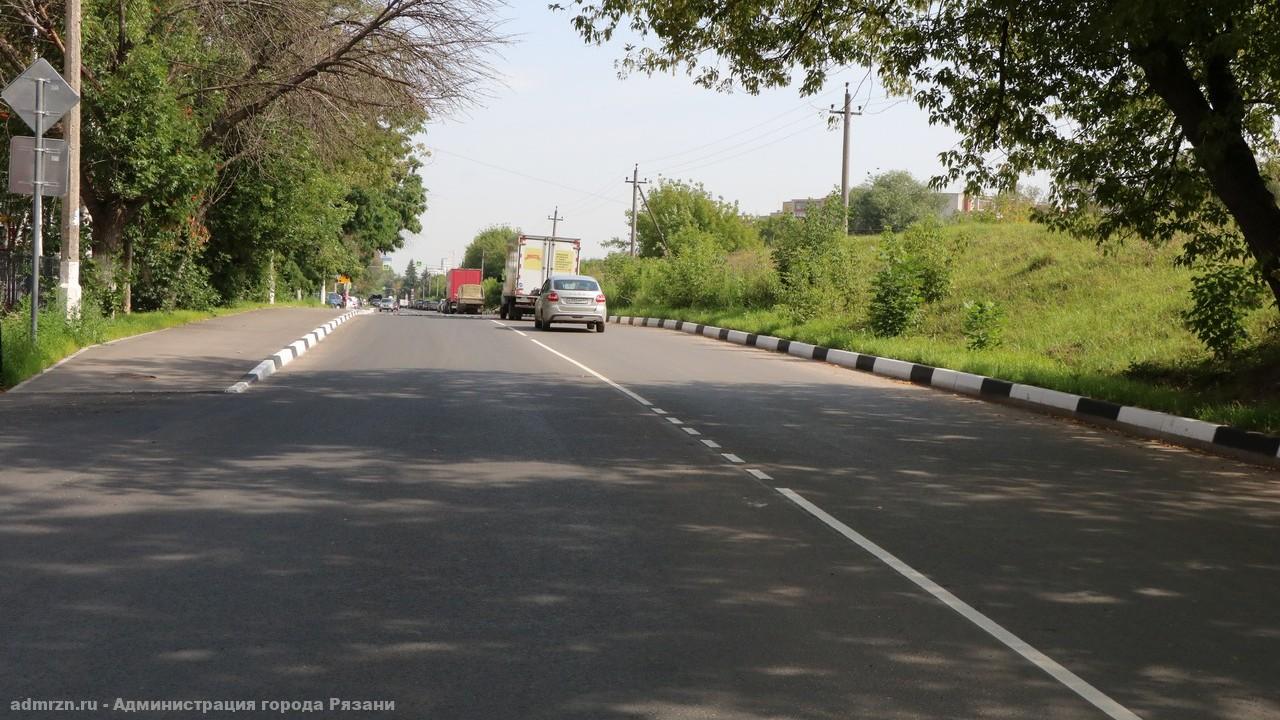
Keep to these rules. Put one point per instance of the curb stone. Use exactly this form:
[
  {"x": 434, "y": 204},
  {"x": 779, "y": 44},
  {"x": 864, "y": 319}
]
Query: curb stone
[
  {"x": 1199, "y": 434},
  {"x": 291, "y": 352}
]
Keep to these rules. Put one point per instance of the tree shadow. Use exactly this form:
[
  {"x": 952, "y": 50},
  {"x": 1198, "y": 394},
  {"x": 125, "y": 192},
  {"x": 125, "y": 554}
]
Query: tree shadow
[{"x": 514, "y": 544}]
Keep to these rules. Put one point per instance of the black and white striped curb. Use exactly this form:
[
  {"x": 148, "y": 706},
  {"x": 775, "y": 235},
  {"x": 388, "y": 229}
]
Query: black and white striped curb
[
  {"x": 1186, "y": 431},
  {"x": 292, "y": 351}
]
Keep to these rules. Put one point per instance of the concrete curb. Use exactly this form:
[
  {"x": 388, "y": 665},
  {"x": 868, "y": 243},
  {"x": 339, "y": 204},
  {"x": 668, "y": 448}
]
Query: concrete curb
[
  {"x": 291, "y": 352},
  {"x": 1189, "y": 432}
]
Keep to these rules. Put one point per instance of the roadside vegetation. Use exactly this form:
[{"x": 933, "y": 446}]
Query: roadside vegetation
[{"x": 992, "y": 293}]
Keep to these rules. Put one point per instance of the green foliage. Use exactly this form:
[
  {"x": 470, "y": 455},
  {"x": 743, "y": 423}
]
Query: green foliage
[
  {"x": 1151, "y": 117},
  {"x": 410, "y": 277},
  {"x": 814, "y": 260},
  {"x": 491, "y": 246},
  {"x": 981, "y": 325},
  {"x": 492, "y": 292},
  {"x": 56, "y": 338},
  {"x": 1222, "y": 294},
  {"x": 890, "y": 201},
  {"x": 895, "y": 300},
  {"x": 686, "y": 211}
]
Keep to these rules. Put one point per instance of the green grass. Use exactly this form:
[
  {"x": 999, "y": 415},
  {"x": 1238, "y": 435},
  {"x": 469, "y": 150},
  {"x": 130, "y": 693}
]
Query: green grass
[
  {"x": 1104, "y": 325},
  {"x": 57, "y": 338}
]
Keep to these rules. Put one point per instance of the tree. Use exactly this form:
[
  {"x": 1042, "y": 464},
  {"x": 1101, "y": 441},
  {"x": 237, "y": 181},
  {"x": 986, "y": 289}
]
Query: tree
[
  {"x": 681, "y": 208},
  {"x": 182, "y": 98},
  {"x": 410, "y": 278},
  {"x": 490, "y": 247},
  {"x": 1152, "y": 117},
  {"x": 890, "y": 201}
]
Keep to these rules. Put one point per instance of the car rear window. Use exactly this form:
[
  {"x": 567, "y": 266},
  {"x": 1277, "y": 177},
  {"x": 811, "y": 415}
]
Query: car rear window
[{"x": 587, "y": 285}]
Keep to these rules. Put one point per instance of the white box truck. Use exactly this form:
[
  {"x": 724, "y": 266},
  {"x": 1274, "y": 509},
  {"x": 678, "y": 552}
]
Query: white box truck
[{"x": 532, "y": 260}]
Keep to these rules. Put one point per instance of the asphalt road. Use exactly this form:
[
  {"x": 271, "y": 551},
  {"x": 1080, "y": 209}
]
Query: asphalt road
[{"x": 442, "y": 512}]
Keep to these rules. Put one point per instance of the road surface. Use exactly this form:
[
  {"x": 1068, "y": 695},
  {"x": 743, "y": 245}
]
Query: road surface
[{"x": 476, "y": 522}]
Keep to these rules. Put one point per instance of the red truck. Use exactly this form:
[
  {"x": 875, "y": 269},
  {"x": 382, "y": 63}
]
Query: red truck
[{"x": 465, "y": 291}]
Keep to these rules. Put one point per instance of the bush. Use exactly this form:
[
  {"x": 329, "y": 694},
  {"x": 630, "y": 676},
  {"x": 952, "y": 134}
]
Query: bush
[
  {"x": 492, "y": 288},
  {"x": 981, "y": 325},
  {"x": 895, "y": 301},
  {"x": 1221, "y": 297},
  {"x": 928, "y": 257}
]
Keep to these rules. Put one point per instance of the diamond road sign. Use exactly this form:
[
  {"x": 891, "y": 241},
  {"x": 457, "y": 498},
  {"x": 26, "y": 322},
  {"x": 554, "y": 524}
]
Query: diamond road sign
[
  {"x": 22, "y": 166},
  {"x": 58, "y": 95}
]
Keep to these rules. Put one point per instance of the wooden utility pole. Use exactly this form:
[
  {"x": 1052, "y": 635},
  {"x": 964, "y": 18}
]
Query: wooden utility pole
[
  {"x": 555, "y": 219},
  {"x": 635, "y": 183},
  {"x": 847, "y": 112},
  {"x": 69, "y": 270}
]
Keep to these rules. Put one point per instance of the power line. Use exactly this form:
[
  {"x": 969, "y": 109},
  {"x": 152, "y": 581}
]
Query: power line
[
  {"x": 743, "y": 131},
  {"x": 527, "y": 176},
  {"x": 754, "y": 149},
  {"x": 752, "y": 139}
]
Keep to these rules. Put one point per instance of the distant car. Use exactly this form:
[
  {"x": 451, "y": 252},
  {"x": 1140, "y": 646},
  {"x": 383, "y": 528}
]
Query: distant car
[
  {"x": 570, "y": 299},
  {"x": 387, "y": 305},
  {"x": 352, "y": 302},
  {"x": 442, "y": 306},
  {"x": 373, "y": 300},
  {"x": 333, "y": 300}
]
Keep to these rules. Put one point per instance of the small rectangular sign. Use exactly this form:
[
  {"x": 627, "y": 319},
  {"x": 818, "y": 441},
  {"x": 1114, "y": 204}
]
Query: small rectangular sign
[{"x": 22, "y": 166}]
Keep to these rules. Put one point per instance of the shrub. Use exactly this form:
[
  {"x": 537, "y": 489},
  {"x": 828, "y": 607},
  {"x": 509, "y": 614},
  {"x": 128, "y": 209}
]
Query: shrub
[
  {"x": 981, "y": 325},
  {"x": 1221, "y": 296},
  {"x": 492, "y": 288},
  {"x": 895, "y": 301}
]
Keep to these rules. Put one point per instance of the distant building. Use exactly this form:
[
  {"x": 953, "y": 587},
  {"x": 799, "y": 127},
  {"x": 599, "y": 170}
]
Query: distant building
[
  {"x": 799, "y": 207},
  {"x": 951, "y": 203}
]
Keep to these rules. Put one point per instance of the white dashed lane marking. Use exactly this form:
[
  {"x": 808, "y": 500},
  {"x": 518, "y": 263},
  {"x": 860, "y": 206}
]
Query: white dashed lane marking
[{"x": 1075, "y": 683}]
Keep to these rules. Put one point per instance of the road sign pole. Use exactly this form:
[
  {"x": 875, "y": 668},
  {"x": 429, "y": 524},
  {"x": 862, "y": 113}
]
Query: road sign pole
[{"x": 36, "y": 220}]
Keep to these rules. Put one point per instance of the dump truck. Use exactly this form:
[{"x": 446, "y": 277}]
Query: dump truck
[
  {"x": 465, "y": 290},
  {"x": 532, "y": 260}
]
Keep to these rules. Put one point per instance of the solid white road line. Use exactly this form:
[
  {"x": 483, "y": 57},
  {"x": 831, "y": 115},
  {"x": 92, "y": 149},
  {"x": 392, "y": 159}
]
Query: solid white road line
[
  {"x": 711, "y": 444},
  {"x": 732, "y": 458},
  {"x": 1072, "y": 681}
]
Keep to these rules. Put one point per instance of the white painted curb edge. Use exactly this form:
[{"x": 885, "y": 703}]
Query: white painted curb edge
[
  {"x": 1186, "y": 431},
  {"x": 290, "y": 352}
]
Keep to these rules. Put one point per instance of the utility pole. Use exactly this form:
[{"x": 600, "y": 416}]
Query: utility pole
[
  {"x": 844, "y": 163},
  {"x": 555, "y": 219},
  {"x": 69, "y": 272},
  {"x": 635, "y": 183}
]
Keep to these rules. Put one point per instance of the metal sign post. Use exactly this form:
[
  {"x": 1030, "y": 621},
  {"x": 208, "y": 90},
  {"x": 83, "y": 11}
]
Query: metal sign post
[
  {"x": 41, "y": 97},
  {"x": 37, "y": 221}
]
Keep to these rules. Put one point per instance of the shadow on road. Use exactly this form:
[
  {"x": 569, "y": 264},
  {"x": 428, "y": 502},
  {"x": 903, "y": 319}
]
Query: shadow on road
[{"x": 510, "y": 545}]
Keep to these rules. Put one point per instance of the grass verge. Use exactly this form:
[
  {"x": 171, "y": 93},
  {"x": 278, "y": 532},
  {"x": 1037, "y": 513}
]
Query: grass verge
[{"x": 1192, "y": 390}]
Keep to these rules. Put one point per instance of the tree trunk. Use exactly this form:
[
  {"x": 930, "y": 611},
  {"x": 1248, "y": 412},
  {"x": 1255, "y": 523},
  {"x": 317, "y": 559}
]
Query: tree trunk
[
  {"x": 126, "y": 267},
  {"x": 1216, "y": 134},
  {"x": 111, "y": 216}
]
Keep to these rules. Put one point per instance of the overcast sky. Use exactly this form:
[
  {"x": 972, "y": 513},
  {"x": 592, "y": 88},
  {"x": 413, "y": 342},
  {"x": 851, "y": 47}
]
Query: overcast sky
[{"x": 560, "y": 129}]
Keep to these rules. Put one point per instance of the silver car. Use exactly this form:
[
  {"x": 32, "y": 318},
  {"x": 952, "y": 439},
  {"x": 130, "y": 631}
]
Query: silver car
[{"x": 570, "y": 299}]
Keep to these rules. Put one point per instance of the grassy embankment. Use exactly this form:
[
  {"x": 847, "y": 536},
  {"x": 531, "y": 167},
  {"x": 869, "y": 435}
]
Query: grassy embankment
[
  {"x": 58, "y": 339},
  {"x": 1107, "y": 326}
]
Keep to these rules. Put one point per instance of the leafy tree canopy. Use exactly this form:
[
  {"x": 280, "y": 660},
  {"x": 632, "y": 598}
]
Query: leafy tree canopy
[
  {"x": 490, "y": 247},
  {"x": 681, "y": 207},
  {"x": 1152, "y": 117},
  {"x": 890, "y": 201}
]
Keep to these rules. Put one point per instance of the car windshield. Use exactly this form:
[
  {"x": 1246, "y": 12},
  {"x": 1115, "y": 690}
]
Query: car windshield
[{"x": 588, "y": 285}]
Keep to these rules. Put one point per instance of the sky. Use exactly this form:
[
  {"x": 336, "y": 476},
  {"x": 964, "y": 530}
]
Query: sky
[{"x": 559, "y": 129}]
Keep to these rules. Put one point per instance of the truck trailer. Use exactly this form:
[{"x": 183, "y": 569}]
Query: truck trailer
[
  {"x": 465, "y": 290},
  {"x": 530, "y": 262}
]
